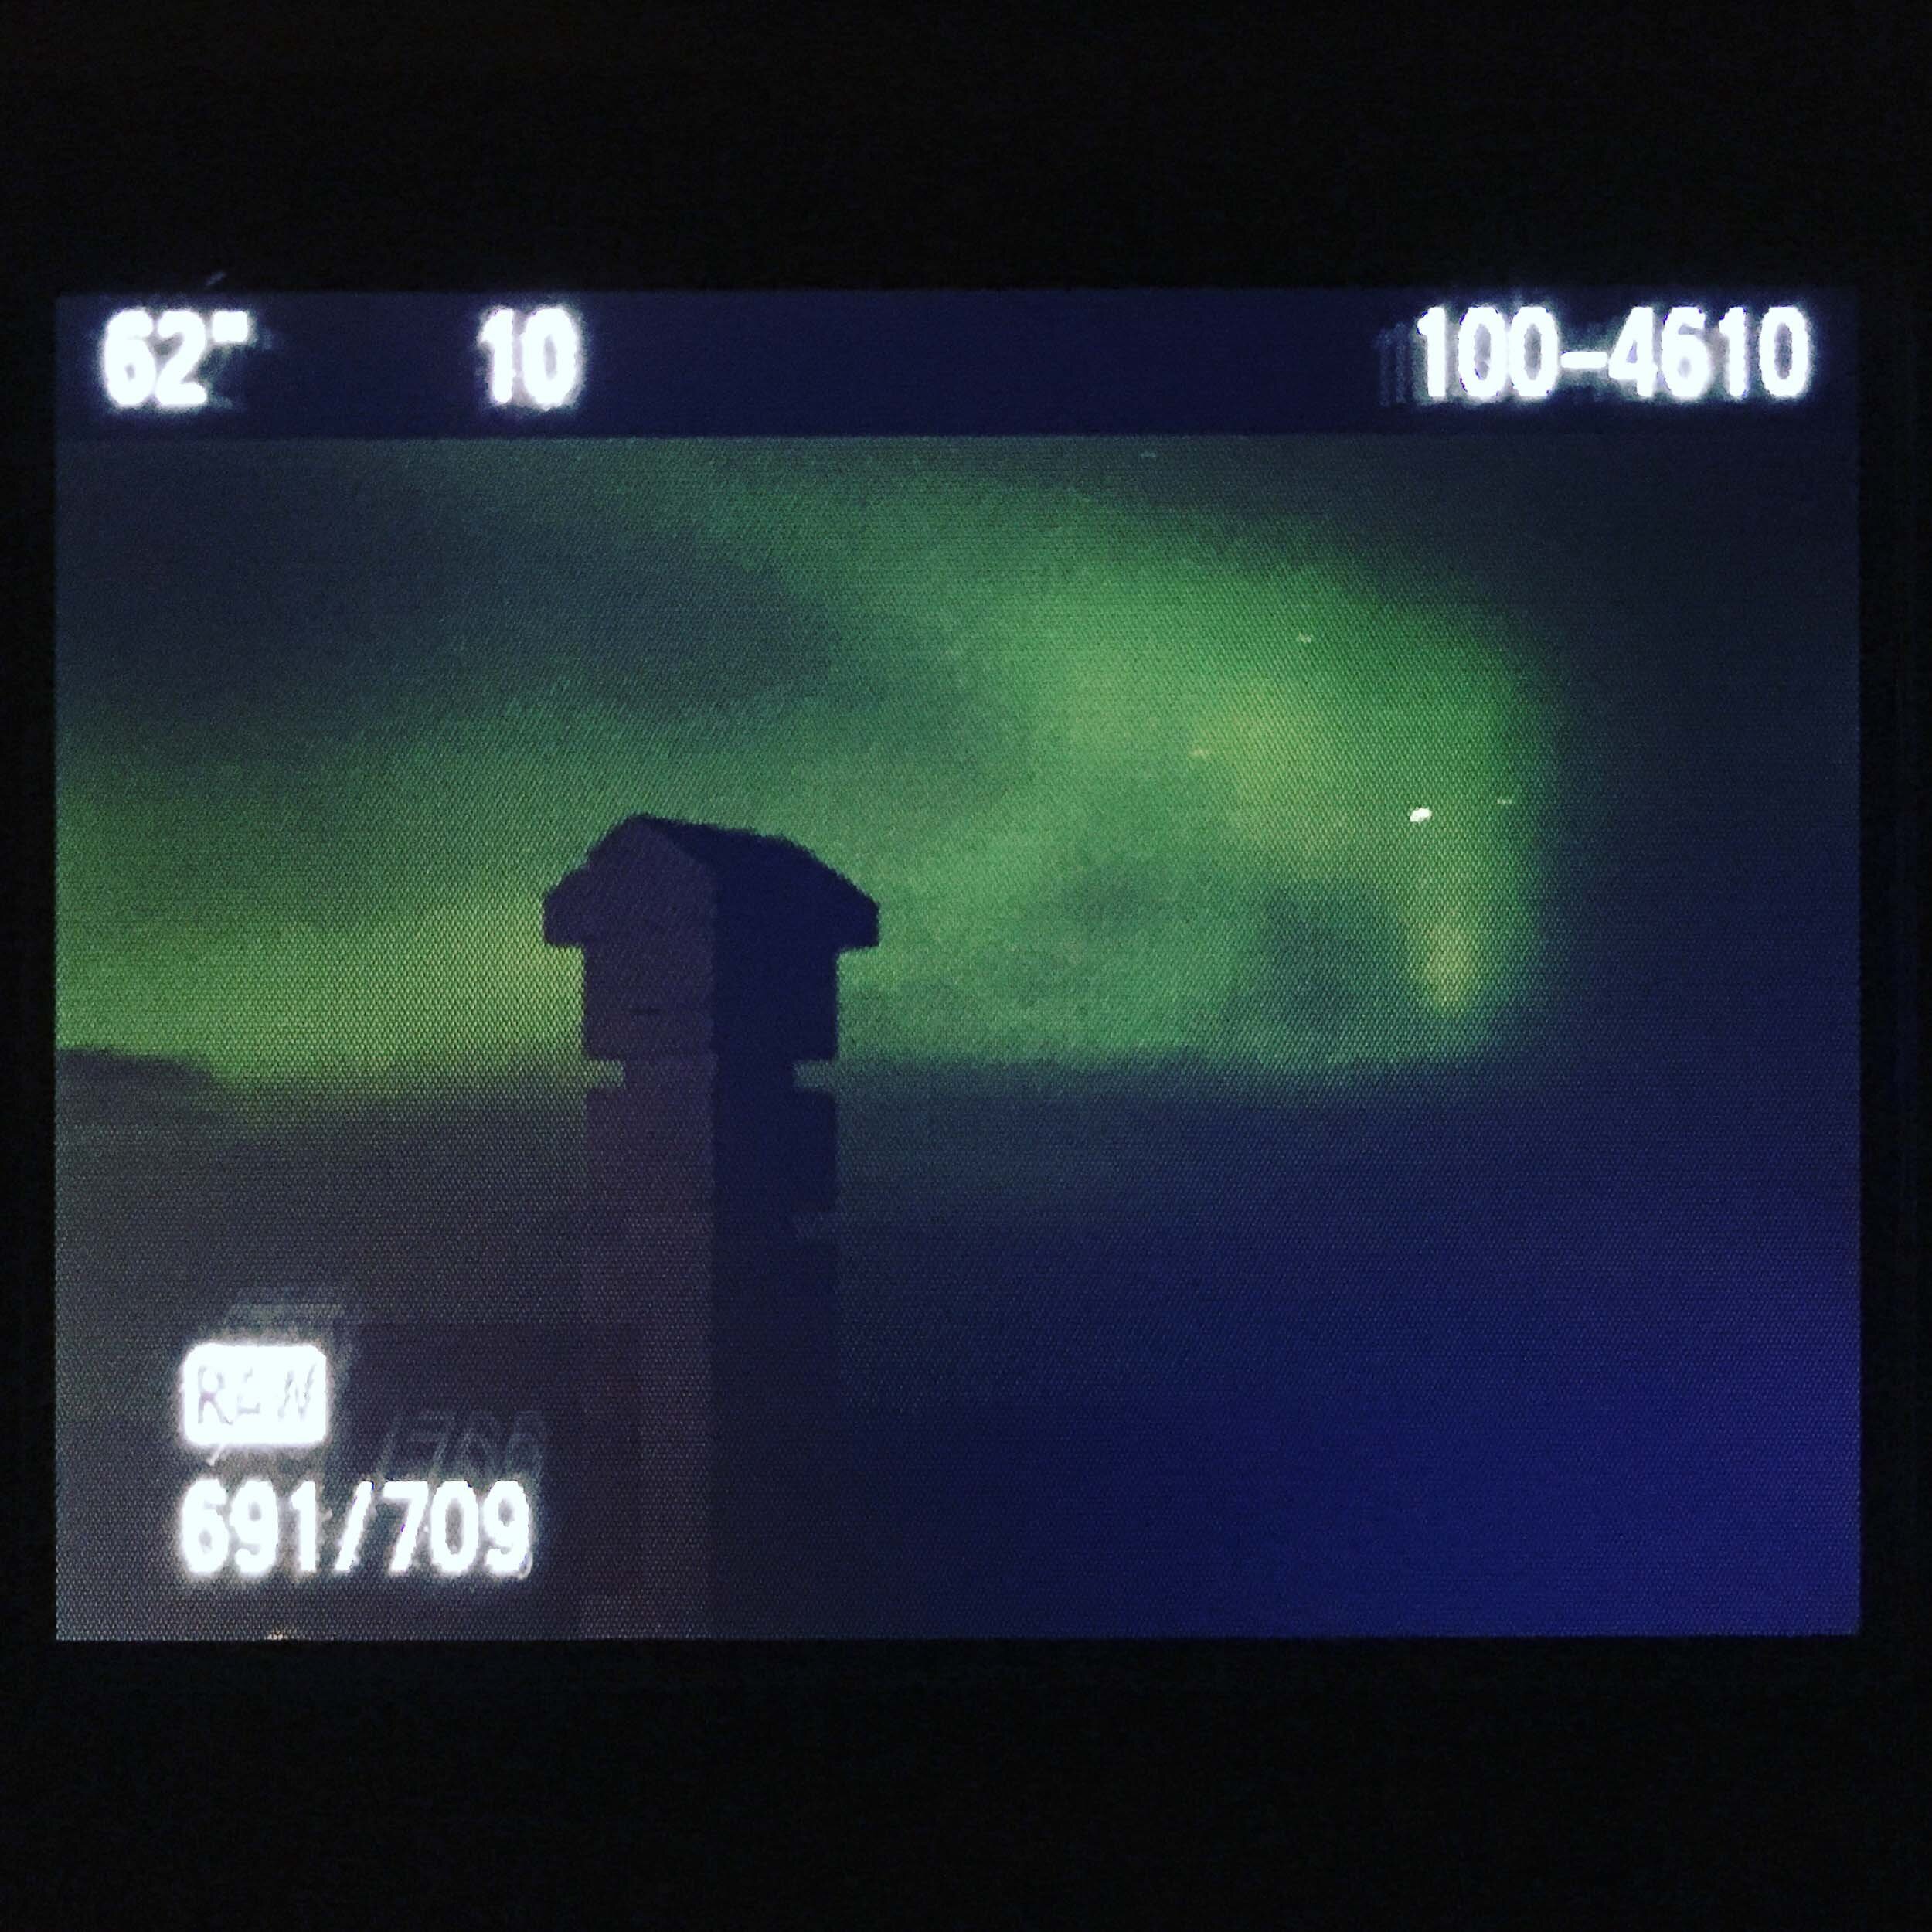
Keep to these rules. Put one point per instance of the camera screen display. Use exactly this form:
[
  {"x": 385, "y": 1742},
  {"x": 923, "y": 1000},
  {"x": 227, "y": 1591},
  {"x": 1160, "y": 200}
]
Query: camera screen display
[{"x": 1032, "y": 964}]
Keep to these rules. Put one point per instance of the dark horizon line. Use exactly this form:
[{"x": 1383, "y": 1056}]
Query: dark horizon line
[{"x": 101, "y": 1070}]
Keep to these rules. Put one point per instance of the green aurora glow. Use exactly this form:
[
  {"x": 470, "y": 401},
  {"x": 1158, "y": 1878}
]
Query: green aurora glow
[{"x": 1130, "y": 778}]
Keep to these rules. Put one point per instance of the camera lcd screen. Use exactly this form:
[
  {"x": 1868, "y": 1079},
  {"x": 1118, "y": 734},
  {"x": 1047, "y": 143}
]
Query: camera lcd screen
[{"x": 1143, "y": 964}]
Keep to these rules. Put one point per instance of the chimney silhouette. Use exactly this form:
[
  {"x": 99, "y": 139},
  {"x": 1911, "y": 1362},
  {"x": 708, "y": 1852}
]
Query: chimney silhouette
[{"x": 710, "y": 969}]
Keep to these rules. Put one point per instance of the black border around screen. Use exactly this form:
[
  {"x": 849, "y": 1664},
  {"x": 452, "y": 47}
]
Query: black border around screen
[{"x": 1725, "y": 1713}]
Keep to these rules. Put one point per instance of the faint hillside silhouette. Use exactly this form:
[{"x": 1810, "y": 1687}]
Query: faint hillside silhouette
[{"x": 103, "y": 1086}]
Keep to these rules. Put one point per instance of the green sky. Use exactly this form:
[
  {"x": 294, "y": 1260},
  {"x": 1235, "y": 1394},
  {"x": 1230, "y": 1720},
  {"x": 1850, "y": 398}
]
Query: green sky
[{"x": 1126, "y": 739}]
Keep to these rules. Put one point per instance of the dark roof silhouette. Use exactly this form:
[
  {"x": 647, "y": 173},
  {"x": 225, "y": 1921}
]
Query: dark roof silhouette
[{"x": 754, "y": 874}]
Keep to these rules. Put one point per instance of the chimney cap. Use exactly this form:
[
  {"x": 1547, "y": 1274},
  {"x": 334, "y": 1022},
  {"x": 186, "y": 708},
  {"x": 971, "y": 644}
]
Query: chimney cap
[{"x": 648, "y": 871}]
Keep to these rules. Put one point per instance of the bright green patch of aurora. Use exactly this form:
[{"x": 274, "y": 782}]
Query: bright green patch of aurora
[{"x": 1128, "y": 782}]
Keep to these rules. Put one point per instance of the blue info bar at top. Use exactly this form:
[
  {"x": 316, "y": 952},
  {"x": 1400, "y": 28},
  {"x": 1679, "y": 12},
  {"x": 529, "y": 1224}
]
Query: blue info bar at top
[{"x": 169, "y": 365}]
